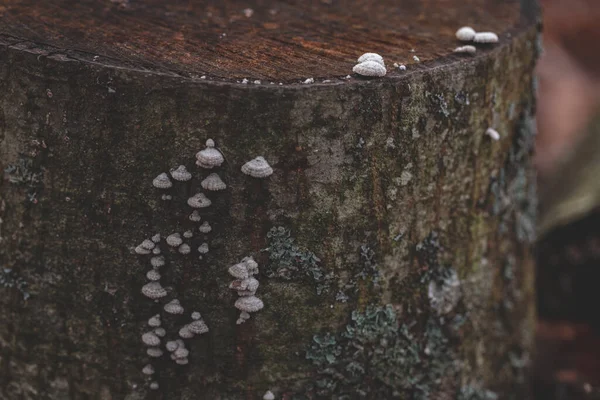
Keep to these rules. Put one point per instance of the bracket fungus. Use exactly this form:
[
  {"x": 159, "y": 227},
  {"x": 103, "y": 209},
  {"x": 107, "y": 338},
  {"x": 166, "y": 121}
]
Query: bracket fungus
[
  {"x": 209, "y": 157},
  {"x": 154, "y": 352},
  {"x": 492, "y": 133},
  {"x": 268, "y": 395},
  {"x": 174, "y": 240},
  {"x": 150, "y": 339},
  {"x": 249, "y": 304},
  {"x": 199, "y": 200},
  {"x": 485, "y": 37},
  {"x": 465, "y": 34},
  {"x": 198, "y": 327},
  {"x": 371, "y": 57},
  {"x": 257, "y": 168},
  {"x": 158, "y": 261},
  {"x": 156, "y": 238},
  {"x": 213, "y": 182},
  {"x": 153, "y": 290},
  {"x": 162, "y": 181},
  {"x": 186, "y": 333},
  {"x": 145, "y": 247},
  {"x": 238, "y": 271},
  {"x": 188, "y": 234},
  {"x": 154, "y": 386},
  {"x": 181, "y": 174},
  {"x": 205, "y": 227},
  {"x": 203, "y": 249},
  {"x": 246, "y": 286},
  {"x": 160, "y": 332},
  {"x": 468, "y": 49},
  {"x": 184, "y": 249},
  {"x": 154, "y": 321},
  {"x": 196, "y": 316},
  {"x": 369, "y": 68},
  {"x": 153, "y": 275},
  {"x": 148, "y": 370},
  {"x": 195, "y": 216},
  {"x": 171, "y": 346},
  {"x": 173, "y": 307}
]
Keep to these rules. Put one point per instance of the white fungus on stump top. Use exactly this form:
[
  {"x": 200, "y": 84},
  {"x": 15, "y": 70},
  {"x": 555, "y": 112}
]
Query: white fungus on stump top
[{"x": 257, "y": 168}]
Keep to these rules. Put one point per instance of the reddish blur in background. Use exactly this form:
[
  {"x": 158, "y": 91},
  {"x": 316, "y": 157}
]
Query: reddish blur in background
[{"x": 567, "y": 363}]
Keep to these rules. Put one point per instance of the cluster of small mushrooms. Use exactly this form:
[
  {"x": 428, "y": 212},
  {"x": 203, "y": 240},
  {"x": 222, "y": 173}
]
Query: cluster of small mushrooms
[{"x": 246, "y": 285}]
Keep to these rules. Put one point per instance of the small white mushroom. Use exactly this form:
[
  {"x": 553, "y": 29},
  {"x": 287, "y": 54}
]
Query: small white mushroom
[
  {"x": 154, "y": 321},
  {"x": 153, "y": 275},
  {"x": 209, "y": 157},
  {"x": 162, "y": 181},
  {"x": 465, "y": 34},
  {"x": 493, "y": 134},
  {"x": 142, "y": 251},
  {"x": 156, "y": 250},
  {"x": 188, "y": 234},
  {"x": 147, "y": 244},
  {"x": 269, "y": 395},
  {"x": 184, "y": 249},
  {"x": 197, "y": 327},
  {"x": 148, "y": 369},
  {"x": 257, "y": 168},
  {"x": 181, "y": 174},
  {"x": 468, "y": 49},
  {"x": 153, "y": 290},
  {"x": 249, "y": 304},
  {"x": 171, "y": 346},
  {"x": 150, "y": 339},
  {"x": 174, "y": 240},
  {"x": 185, "y": 332},
  {"x": 160, "y": 332},
  {"x": 205, "y": 227},
  {"x": 154, "y": 352},
  {"x": 157, "y": 261},
  {"x": 369, "y": 68},
  {"x": 213, "y": 182},
  {"x": 154, "y": 386},
  {"x": 371, "y": 57},
  {"x": 195, "y": 216},
  {"x": 238, "y": 271},
  {"x": 485, "y": 37},
  {"x": 156, "y": 238},
  {"x": 181, "y": 352},
  {"x": 203, "y": 249},
  {"x": 199, "y": 200},
  {"x": 417, "y": 59},
  {"x": 173, "y": 307},
  {"x": 196, "y": 316}
]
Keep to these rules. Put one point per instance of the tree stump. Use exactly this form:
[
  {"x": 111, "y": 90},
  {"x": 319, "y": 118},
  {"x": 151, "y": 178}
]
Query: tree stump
[{"x": 392, "y": 238}]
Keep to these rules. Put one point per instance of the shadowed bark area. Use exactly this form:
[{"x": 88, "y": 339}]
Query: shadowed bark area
[{"x": 384, "y": 192}]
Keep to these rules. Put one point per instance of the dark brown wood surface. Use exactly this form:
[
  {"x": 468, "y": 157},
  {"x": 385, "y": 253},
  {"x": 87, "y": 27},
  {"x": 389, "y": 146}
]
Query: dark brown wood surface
[{"x": 283, "y": 41}]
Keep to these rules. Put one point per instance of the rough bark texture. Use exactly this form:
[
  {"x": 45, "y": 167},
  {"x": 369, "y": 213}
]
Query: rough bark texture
[{"x": 391, "y": 183}]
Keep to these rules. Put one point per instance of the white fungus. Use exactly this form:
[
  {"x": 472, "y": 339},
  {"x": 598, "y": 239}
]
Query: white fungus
[
  {"x": 154, "y": 352},
  {"x": 166, "y": 197},
  {"x": 185, "y": 332},
  {"x": 309, "y": 81},
  {"x": 213, "y": 182},
  {"x": 154, "y": 321},
  {"x": 184, "y": 249},
  {"x": 371, "y": 57},
  {"x": 196, "y": 315},
  {"x": 238, "y": 271},
  {"x": 153, "y": 290},
  {"x": 257, "y": 168},
  {"x": 173, "y": 307},
  {"x": 493, "y": 134},
  {"x": 153, "y": 275},
  {"x": 251, "y": 265},
  {"x": 147, "y": 244},
  {"x": 205, "y": 227},
  {"x": 174, "y": 240},
  {"x": 162, "y": 181},
  {"x": 369, "y": 68},
  {"x": 195, "y": 216},
  {"x": 157, "y": 261},
  {"x": 148, "y": 370},
  {"x": 182, "y": 361},
  {"x": 465, "y": 34},
  {"x": 154, "y": 386},
  {"x": 209, "y": 157},
  {"x": 485, "y": 37},
  {"x": 181, "y": 352},
  {"x": 142, "y": 251},
  {"x": 150, "y": 339},
  {"x": 203, "y": 249},
  {"x": 188, "y": 234},
  {"x": 468, "y": 49},
  {"x": 171, "y": 346},
  {"x": 249, "y": 304},
  {"x": 156, "y": 238},
  {"x": 156, "y": 250},
  {"x": 160, "y": 332},
  {"x": 417, "y": 59},
  {"x": 199, "y": 200},
  {"x": 181, "y": 174},
  {"x": 269, "y": 395},
  {"x": 197, "y": 327}
]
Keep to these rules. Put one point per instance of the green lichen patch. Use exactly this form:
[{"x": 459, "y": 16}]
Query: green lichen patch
[
  {"x": 10, "y": 279},
  {"x": 27, "y": 174},
  {"x": 365, "y": 272},
  {"x": 289, "y": 261}
]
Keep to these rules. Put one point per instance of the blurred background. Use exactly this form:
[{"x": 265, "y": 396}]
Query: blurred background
[{"x": 567, "y": 364}]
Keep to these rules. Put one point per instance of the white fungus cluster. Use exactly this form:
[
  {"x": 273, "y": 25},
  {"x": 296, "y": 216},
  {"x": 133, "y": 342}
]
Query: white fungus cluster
[
  {"x": 370, "y": 64},
  {"x": 209, "y": 157},
  {"x": 444, "y": 295},
  {"x": 257, "y": 168},
  {"x": 246, "y": 285},
  {"x": 196, "y": 327},
  {"x": 468, "y": 34}
]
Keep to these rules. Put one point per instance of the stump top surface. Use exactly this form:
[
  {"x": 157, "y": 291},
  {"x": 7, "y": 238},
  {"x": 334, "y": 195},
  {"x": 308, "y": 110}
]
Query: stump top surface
[{"x": 279, "y": 41}]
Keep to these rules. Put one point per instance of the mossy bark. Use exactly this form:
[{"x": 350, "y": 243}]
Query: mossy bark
[{"x": 382, "y": 163}]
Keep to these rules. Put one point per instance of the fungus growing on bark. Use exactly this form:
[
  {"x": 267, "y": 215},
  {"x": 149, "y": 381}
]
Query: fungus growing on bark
[
  {"x": 162, "y": 181},
  {"x": 186, "y": 333},
  {"x": 195, "y": 216},
  {"x": 142, "y": 251},
  {"x": 166, "y": 197},
  {"x": 492, "y": 133},
  {"x": 148, "y": 369},
  {"x": 257, "y": 168},
  {"x": 184, "y": 249},
  {"x": 269, "y": 395},
  {"x": 150, "y": 339},
  {"x": 153, "y": 290},
  {"x": 205, "y": 227},
  {"x": 244, "y": 316},
  {"x": 197, "y": 327},
  {"x": 182, "y": 361},
  {"x": 466, "y": 49},
  {"x": 188, "y": 234},
  {"x": 154, "y": 352},
  {"x": 371, "y": 57},
  {"x": 445, "y": 294},
  {"x": 145, "y": 247},
  {"x": 251, "y": 265},
  {"x": 250, "y": 304},
  {"x": 160, "y": 332},
  {"x": 158, "y": 261},
  {"x": 154, "y": 321},
  {"x": 153, "y": 275},
  {"x": 171, "y": 346},
  {"x": 465, "y": 34},
  {"x": 203, "y": 249},
  {"x": 181, "y": 174},
  {"x": 181, "y": 352},
  {"x": 209, "y": 157},
  {"x": 369, "y": 68},
  {"x": 213, "y": 182},
  {"x": 156, "y": 238},
  {"x": 173, "y": 307},
  {"x": 196, "y": 316},
  {"x": 485, "y": 37},
  {"x": 199, "y": 200},
  {"x": 174, "y": 240},
  {"x": 156, "y": 250},
  {"x": 238, "y": 271},
  {"x": 154, "y": 386}
]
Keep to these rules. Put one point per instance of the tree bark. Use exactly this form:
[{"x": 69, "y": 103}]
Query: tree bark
[{"x": 392, "y": 238}]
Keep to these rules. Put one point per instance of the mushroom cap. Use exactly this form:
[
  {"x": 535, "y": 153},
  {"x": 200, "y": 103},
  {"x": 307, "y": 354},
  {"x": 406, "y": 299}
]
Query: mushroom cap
[
  {"x": 154, "y": 321},
  {"x": 173, "y": 307},
  {"x": 160, "y": 332},
  {"x": 154, "y": 352},
  {"x": 249, "y": 304},
  {"x": 205, "y": 227},
  {"x": 203, "y": 249},
  {"x": 158, "y": 261},
  {"x": 485, "y": 37},
  {"x": 162, "y": 181},
  {"x": 181, "y": 174},
  {"x": 154, "y": 385},
  {"x": 251, "y": 265},
  {"x": 195, "y": 216},
  {"x": 148, "y": 369},
  {"x": 196, "y": 316},
  {"x": 174, "y": 239},
  {"x": 153, "y": 275},
  {"x": 181, "y": 352},
  {"x": 153, "y": 290},
  {"x": 184, "y": 249},
  {"x": 465, "y": 34},
  {"x": 209, "y": 157},
  {"x": 371, "y": 57},
  {"x": 213, "y": 182},
  {"x": 198, "y": 327},
  {"x": 150, "y": 339},
  {"x": 186, "y": 333},
  {"x": 199, "y": 200},
  {"x": 239, "y": 271},
  {"x": 182, "y": 361},
  {"x": 269, "y": 395},
  {"x": 257, "y": 168},
  {"x": 172, "y": 345},
  {"x": 369, "y": 68}
]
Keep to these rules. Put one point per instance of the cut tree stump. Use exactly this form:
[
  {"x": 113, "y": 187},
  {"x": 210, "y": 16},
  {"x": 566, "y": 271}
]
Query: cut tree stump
[{"x": 393, "y": 237}]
